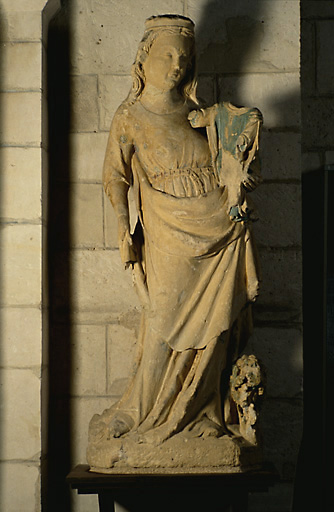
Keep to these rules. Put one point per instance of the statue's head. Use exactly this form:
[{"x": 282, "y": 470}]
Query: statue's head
[{"x": 166, "y": 57}]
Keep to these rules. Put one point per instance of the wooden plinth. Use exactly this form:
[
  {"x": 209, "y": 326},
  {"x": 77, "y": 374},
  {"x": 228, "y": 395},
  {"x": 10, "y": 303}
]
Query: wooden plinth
[{"x": 173, "y": 492}]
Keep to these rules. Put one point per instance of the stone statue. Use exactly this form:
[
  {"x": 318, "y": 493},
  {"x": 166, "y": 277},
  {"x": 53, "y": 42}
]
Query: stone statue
[{"x": 193, "y": 260}]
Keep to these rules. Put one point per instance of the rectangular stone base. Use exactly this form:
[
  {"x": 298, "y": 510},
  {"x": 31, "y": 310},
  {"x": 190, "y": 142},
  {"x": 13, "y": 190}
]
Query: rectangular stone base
[{"x": 176, "y": 455}]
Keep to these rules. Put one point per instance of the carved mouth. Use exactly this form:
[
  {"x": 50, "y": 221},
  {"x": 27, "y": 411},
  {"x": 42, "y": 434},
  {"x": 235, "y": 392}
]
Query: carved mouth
[{"x": 175, "y": 76}]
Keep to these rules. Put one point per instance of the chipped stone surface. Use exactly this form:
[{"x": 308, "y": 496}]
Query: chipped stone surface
[{"x": 82, "y": 409}]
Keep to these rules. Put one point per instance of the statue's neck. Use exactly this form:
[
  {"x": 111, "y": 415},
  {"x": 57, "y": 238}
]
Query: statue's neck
[{"x": 161, "y": 101}]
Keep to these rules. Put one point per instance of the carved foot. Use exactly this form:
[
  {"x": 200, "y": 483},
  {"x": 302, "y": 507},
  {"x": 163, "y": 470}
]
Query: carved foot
[{"x": 120, "y": 424}]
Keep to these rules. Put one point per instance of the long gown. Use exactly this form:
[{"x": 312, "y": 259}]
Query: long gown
[{"x": 197, "y": 275}]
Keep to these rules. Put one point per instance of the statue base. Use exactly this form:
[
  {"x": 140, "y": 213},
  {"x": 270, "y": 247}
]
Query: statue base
[{"x": 176, "y": 455}]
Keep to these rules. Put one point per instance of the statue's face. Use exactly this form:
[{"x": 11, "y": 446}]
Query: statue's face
[{"x": 167, "y": 61}]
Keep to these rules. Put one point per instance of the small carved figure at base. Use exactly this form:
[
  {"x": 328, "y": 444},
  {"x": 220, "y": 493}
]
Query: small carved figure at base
[{"x": 247, "y": 384}]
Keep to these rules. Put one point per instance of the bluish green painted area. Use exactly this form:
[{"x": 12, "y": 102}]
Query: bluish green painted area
[{"x": 230, "y": 125}]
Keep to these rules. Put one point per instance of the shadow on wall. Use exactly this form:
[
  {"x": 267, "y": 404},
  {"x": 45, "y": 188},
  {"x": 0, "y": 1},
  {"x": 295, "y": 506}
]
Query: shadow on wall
[
  {"x": 228, "y": 35},
  {"x": 59, "y": 213}
]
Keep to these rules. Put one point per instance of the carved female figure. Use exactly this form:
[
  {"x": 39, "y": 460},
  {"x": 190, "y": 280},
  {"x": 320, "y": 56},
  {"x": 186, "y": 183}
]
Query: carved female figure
[{"x": 191, "y": 253}]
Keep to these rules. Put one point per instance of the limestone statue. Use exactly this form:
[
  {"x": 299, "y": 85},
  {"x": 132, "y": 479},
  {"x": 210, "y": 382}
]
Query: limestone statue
[{"x": 193, "y": 259}]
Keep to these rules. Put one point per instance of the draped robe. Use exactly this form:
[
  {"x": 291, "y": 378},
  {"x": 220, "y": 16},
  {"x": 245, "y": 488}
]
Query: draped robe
[{"x": 196, "y": 272}]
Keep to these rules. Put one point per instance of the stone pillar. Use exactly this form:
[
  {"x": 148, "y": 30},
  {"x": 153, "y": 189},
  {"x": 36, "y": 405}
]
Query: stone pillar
[{"x": 23, "y": 309}]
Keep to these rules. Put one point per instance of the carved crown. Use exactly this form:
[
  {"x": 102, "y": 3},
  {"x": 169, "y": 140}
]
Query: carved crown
[{"x": 169, "y": 20}]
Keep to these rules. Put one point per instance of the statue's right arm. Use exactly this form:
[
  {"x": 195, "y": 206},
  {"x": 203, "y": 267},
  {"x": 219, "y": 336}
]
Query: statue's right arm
[{"x": 117, "y": 178}]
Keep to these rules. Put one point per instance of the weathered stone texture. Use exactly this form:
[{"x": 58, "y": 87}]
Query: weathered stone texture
[
  {"x": 23, "y": 5},
  {"x": 21, "y": 264},
  {"x": 325, "y": 61},
  {"x": 280, "y": 350},
  {"x": 206, "y": 90},
  {"x": 87, "y": 152},
  {"x": 21, "y": 66},
  {"x": 20, "y": 331},
  {"x": 100, "y": 284},
  {"x": 311, "y": 161},
  {"x": 26, "y": 496},
  {"x": 21, "y": 119},
  {"x": 88, "y": 352},
  {"x": 259, "y": 37},
  {"x": 279, "y": 158},
  {"x": 87, "y": 215},
  {"x": 108, "y": 27},
  {"x": 20, "y": 166},
  {"x": 121, "y": 358},
  {"x": 281, "y": 422},
  {"x": 110, "y": 220},
  {"x": 281, "y": 286},
  {"x": 318, "y": 115},
  {"x": 308, "y": 57},
  {"x": 84, "y": 113},
  {"x": 317, "y": 9},
  {"x": 260, "y": 40},
  {"x": 112, "y": 91},
  {"x": 275, "y": 94},
  {"x": 21, "y": 26},
  {"x": 82, "y": 411},
  {"x": 20, "y": 418},
  {"x": 279, "y": 207}
]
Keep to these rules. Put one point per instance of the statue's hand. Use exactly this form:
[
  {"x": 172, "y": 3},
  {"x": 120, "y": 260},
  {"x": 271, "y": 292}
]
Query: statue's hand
[
  {"x": 125, "y": 242},
  {"x": 199, "y": 118},
  {"x": 251, "y": 180}
]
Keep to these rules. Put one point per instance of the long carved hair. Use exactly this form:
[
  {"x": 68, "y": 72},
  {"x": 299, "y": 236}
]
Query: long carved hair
[{"x": 187, "y": 87}]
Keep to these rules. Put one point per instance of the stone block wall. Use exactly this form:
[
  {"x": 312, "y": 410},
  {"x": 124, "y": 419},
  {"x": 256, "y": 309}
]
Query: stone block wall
[
  {"x": 23, "y": 325},
  {"x": 317, "y": 84},
  {"x": 248, "y": 53}
]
